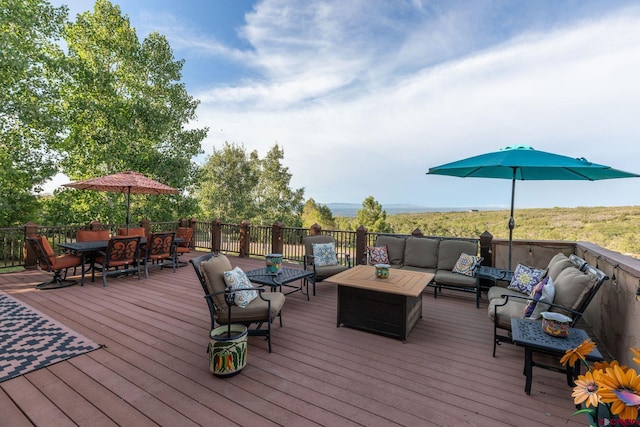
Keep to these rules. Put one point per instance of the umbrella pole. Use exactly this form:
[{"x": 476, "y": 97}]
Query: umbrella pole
[
  {"x": 512, "y": 222},
  {"x": 128, "y": 201}
]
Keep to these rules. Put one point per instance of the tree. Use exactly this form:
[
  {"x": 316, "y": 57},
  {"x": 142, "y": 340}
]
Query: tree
[
  {"x": 228, "y": 179},
  {"x": 30, "y": 69},
  {"x": 316, "y": 213},
  {"x": 373, "y": 216},
  {"x": 237, "y": 186},
  {"x": 126, "y": 110}
]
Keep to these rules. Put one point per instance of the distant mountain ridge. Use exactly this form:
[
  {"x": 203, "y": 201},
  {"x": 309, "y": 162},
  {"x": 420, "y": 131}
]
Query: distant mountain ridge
[{"x": 351, "y": 209}]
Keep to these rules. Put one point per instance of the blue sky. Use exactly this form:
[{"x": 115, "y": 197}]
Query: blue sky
[{"x": 365, "y": 96}]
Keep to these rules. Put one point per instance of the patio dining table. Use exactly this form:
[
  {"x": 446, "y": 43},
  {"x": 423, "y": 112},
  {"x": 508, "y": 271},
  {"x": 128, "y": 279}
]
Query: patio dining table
[{"x": 88, "y": 249}]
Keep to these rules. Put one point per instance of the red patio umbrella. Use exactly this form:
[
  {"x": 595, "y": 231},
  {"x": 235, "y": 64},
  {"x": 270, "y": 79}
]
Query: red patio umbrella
[{"x": 124, "y": 182}]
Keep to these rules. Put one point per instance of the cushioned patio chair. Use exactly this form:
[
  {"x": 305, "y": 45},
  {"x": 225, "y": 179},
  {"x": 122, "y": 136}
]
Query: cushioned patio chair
[
  {"x": 92, "y": 235},
  {"x": 48, "y": 261},
  {"x": 184, "y": 247},
  {"x": 261, "y": 311},
  {"x": 134, "y": 231},
  {"x": 122, "y": 257},
  {"x": 575, "y": 283},
  {"x": 328, "y": 262},
  {"x": 159, "y": 251}
]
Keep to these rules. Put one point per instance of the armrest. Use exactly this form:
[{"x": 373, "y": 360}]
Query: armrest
[{"x": 507, "y": 297}]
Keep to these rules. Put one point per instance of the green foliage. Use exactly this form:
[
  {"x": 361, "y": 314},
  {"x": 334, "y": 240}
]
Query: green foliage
[
  {"x": 315, "y": 213},
  {"x": 125, "y": 109},
  {"x": 373, "y": 217},
  {"x": 237, "y": 186},
  {"x": 31, "y": 64}
]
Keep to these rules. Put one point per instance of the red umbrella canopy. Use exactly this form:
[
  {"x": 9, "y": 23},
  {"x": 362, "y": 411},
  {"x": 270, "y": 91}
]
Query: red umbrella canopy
[{"x": 124, "y": 182}]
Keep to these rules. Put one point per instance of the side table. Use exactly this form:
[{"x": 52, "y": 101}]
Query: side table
[
  {"x": 284, "y": 277},
  {"x": 493, "y": 274},
  {"x": 529, "y": 334}
]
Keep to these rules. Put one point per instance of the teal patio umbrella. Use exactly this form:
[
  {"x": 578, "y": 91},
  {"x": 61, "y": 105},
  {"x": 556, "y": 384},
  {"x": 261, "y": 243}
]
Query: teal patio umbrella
[{"x": 521, "y": 162}]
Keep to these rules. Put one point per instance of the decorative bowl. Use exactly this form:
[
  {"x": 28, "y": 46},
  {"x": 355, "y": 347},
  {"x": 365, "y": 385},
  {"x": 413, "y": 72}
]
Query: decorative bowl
[{"x": 556, "y": 324}]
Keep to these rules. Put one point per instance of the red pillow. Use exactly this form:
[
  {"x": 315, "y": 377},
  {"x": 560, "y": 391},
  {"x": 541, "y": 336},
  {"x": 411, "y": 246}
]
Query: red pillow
[{"x": 378, "y": 255}]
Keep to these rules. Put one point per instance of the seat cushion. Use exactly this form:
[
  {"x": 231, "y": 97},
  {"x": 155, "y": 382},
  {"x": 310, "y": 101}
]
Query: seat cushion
[
  {"x": 421, "y": 252},
  {"x": 395, "y": 248},
  {"x": 328, "y": 270},
  {"x": 497, "y": 292},
  {"x": 449, "y": 278},
  {"x": 213, "y": 272},
  {"x": 256, "y": 311},
  {"x": 514, "y": 308}
]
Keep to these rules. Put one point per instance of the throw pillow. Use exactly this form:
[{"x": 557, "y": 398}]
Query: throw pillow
[
  {"x": 467, "y": 264},
  {"x": 378, "y": 255},
  {"x": 525, "y": 278},
  {"x": 237, "y": 279},
  {"x": 542, "y": 293},
  {"x": 324, "y": 254}
]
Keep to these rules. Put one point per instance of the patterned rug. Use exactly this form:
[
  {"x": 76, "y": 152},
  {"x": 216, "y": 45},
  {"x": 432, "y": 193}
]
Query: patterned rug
[{"x": 31, "y": 340}]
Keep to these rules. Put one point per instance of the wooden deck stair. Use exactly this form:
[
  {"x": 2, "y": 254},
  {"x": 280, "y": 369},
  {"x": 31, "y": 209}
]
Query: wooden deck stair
[{"x": 153, "y": 369}]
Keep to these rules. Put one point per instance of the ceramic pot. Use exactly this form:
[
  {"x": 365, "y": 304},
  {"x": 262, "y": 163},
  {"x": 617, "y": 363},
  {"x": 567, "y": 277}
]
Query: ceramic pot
[
  {"x": 227, "y": 354},
  {"x": 274, "y": 262},
  {"x": 382, "y": 271}
]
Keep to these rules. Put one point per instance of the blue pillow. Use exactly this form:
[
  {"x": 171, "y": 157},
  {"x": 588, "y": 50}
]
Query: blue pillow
[
  {"x": 324, "y": 254},
  {"x": 525, "y": 278}
]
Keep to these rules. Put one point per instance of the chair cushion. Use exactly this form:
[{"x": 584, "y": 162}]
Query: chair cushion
[
  {"x": 395, "y": 248},
  {"x": 329, "y": 270},
  {"x": 572, "y": 287},
  {"x": 497, "y": 292},
  {"x": 213, "y": 272},
  {"x": 467, "y": 264},
  {"x": 514, "y": 308},
  {"x": 421, "y": 252},
  {"x": 92, "y": 235},
  {"x": 324, "y": 254},
  {"x": 256, "y": 311},
  {"x": 525, "y": 278},
  {"x": 67, "y": 260},
  {"x": 378, "y": 255},
  {"x": 541, "y": 294},
  {"x": 449, "y": 251},
  {"x": 449, "y": 278},
  {"x": 558, "y": 263},
  {"x": 48, "y": 250},
  {"x": 237, "y": 279}
]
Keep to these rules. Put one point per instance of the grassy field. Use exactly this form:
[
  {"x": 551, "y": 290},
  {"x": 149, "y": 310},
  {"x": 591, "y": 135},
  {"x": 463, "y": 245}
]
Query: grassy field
[{"x": 616, "y": 228}]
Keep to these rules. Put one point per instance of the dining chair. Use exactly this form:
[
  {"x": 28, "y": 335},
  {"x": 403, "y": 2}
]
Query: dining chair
[
  {"x": 92, "y": 235},
  {"x": 158, "y": 250},
  {"x": 184, "y": 247},
  {"x": 135, "y": 231},
  {"x": 122, "y": 257},
  {"x": 48, "y": 261}
]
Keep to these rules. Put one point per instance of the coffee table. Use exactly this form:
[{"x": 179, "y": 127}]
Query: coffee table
[
  {"x": 529, "y": 334},
  {"x": 284, "y": 277},
  {"x": 390, "y": 306}
]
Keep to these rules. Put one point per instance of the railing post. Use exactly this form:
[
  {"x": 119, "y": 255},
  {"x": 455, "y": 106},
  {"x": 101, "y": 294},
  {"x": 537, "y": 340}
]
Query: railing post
[
  {"x": 485, "y": 248},
  {"x": 417, "y": 233},
  {"x": 146, "y": 225},
  {"x": 315, "y": 230},
  {"x": 30, "y": 230},
  {"x": 277, "y": 245},
  {"x": 245, "y": 238},
  {"x": 361, "y": 244},
  {"x": 216, "y": 235},
  {"x": 191, "y": 223}
]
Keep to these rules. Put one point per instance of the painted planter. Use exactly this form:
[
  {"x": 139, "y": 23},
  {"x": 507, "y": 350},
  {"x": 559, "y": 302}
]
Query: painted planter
[
  {"x": 227, "y": 355},
  {"x": 382, "y": 271},
  {"x": 274, "y": 262}
]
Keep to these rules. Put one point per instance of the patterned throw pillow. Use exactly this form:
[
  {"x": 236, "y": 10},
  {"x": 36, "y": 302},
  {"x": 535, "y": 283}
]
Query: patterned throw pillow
[
  {"x": 525, "y": 278},
  {"x": 542, "y": 293},
  {"x": 237, "y": 279},
  {"x": 324, "y": 254},
  {"x": 467, "y": 264},
  {"x": 378, "y": 255}
]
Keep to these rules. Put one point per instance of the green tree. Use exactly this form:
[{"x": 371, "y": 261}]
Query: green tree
[
  {"x": 275, "y": 199},
  {"x": 237, "y": 185},
  {"x": 31, "y": 63},
  {"x": 316, "y": 213},
  {"x": 373, "y": 216},
  {"x": 126, "y": 110}
]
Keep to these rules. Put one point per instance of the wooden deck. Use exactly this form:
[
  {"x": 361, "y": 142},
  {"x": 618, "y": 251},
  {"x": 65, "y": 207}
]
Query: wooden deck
[{"x": 153, "y": 369}]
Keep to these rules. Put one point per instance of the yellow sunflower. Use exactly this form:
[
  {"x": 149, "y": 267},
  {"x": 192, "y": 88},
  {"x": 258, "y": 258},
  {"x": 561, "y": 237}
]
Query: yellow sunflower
[
  {"x": 580, "y": 352},
  {"x": 586, "y": 390},
  {"x": 602, "y": 366},
  {"x": 636, "y": 351},
  {"x": 621, "y": 389}
]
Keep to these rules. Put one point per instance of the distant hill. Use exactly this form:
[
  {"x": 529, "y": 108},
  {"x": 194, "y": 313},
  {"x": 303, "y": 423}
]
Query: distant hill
[{"x": 350, "y": 209}]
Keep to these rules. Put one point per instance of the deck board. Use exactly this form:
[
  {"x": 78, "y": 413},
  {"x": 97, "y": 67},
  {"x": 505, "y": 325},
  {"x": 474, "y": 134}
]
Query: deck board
[{"x": 153, "y": 368}]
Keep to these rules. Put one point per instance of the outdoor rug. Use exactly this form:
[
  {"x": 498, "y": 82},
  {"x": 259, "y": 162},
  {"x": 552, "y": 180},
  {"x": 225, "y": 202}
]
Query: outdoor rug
[{"x": 31, "y": 340}]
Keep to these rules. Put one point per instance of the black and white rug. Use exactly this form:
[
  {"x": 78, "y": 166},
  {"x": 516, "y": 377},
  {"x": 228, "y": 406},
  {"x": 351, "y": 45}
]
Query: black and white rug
[{"x": 31, "y": 340}]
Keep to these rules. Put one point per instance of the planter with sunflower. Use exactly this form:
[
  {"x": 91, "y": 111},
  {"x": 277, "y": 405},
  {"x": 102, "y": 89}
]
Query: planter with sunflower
[{"x": 608, "y": 392}]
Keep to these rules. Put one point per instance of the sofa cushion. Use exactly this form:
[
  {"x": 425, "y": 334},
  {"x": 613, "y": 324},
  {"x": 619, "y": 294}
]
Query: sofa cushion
[
  {"x": 419, "y": 269},
  {"x": 467, "y": 264},
  {"x": 378, "y": 255},
  {"x": 421, "y": 252},
  {"x": 558, "y": 263},
  {"x": 324, "y": 254},
  {"x": 395, "y": 248},
  {"x": 572, "y": 287},
  {"x": 213, "y": 272},
  {"x": 449, "y": 278},
  {"x": 541, "y": 295},
  {"x": 525, "y": 278},
  {"x": 449, "y": 251},
  {"x": 514, "y": 308},
  {"x": 497, "y": 292}
]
